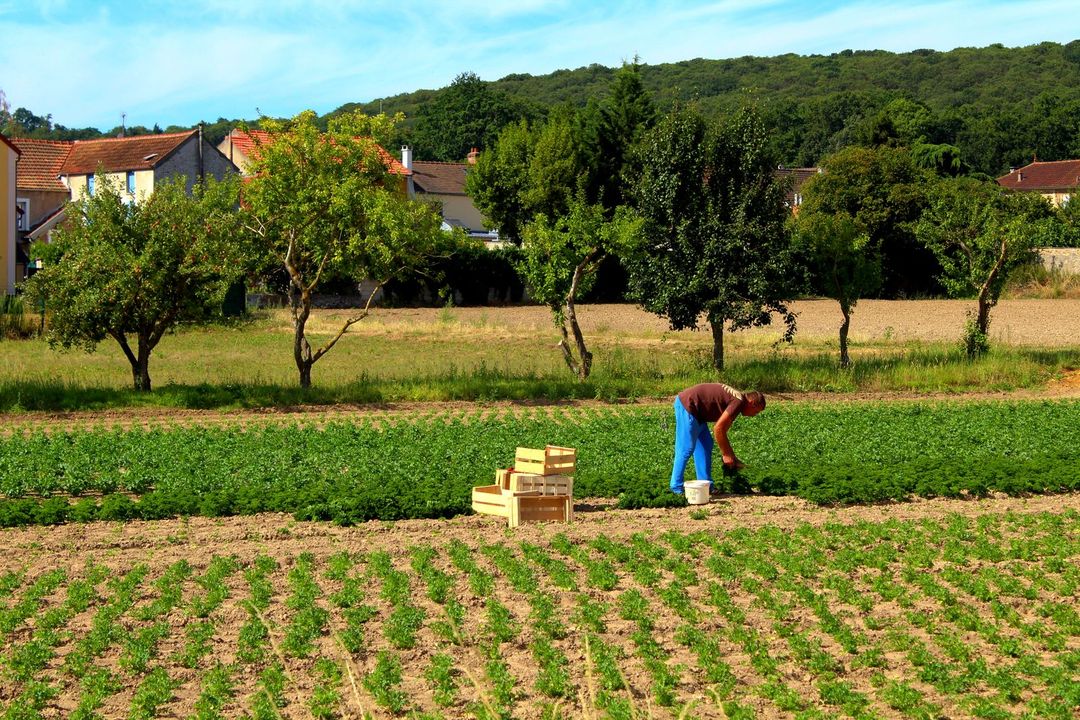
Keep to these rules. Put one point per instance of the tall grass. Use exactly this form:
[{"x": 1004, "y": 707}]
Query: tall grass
[
  {"x": 15, "y": 322},
  {"x": 1036, "y": 281},
  {"x": 619, "y": 375}
]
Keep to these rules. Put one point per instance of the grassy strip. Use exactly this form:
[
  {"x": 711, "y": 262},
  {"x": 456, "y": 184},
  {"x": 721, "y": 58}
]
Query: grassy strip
[{"x": 618, "y": 374}]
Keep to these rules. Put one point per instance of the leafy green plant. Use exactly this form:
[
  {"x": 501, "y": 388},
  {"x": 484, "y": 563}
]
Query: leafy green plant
[{"x": 384, "y": 680}]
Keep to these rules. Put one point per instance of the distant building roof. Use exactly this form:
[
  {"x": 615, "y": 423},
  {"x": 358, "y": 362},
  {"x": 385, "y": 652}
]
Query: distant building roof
[
  {"x": 142, "y": 152},
  {"x": 41, "y": 162},
  {"x": 1055, "y": 175},
  {"x": 797, "y": 177},
  {"x": 246, "y": 142},
  {"x": 441, "y": 178}
]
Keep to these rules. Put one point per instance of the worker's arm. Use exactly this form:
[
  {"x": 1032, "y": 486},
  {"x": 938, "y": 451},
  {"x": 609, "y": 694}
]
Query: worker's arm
[{"x": 720, "y": 431}]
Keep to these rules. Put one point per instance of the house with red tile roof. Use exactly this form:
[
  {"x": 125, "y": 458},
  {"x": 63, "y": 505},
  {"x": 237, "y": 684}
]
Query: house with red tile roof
[
  {"x": 444, "y": 183},
  {"x": 42, "y": 195},
  {"x": 9, "y": 213},
  {"x": 53, "y": 172},
  {"x": 1057, "y": 181},
  {"x": 138, "y": 163}
]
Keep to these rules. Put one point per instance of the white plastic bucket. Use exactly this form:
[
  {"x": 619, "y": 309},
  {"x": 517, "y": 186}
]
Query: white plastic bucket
[{"x": 696, "y": 491}]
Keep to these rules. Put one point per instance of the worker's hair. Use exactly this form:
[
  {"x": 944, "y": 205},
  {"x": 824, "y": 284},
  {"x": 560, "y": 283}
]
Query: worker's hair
[{"x": 756, "y": 398}]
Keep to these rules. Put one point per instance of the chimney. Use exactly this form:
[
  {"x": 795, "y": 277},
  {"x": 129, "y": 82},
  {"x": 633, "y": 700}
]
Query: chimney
[
  {"x": 406, "y": 157},
  {"x": 471, "y": 157},
  {"x": 1019, "y": 177}
]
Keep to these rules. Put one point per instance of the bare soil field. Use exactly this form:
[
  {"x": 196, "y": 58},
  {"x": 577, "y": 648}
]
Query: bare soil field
[
  {"x": 160, "y": 545},
  {"x": 1046, "y": 323}
]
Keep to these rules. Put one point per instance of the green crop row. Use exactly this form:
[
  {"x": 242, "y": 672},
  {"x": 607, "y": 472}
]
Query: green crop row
[{"x": 425, "y": 467}]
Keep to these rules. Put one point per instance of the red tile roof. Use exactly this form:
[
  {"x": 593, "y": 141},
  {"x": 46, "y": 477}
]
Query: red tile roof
[
  {"x": 1057, "y": 175},
  {"x": 142, "y": 152},
  {"x": 442, "y": 178},
  {"x": 247, "y": 142},
  {"x": 797, "y": 177},
  {"x": 4, "y": 139},
  {"x": 40, "y": 163}
]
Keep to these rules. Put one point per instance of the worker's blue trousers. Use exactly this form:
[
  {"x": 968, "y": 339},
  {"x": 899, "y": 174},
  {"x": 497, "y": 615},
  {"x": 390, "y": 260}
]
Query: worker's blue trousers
[{"x": 692, "y": 437}]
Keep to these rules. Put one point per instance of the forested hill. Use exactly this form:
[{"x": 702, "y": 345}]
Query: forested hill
[{"x": 1000, "y": 105}]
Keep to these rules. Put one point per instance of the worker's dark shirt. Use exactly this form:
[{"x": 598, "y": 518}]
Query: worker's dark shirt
[{"x": 706, "y": 402}]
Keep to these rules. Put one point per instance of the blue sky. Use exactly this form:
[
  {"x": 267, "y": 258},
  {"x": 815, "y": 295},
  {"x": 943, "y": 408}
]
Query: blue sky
[{"x": 164, "y": 62}]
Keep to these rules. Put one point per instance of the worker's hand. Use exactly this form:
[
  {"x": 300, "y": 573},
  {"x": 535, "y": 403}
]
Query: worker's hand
[{"x": 733, "y": 463}]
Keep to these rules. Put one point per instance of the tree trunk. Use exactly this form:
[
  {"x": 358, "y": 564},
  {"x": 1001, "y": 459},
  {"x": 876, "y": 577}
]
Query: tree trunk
[
  {"x": 845, "y": 360},
  {"x": 140, "y": 364},
  {"x": 717, "y": 327},
  {"x": 301, "y": 308},
  {"x": 582, "y": 365},
  {"x": 141, "y": 369},
  {"x": 982, "y": 319}
]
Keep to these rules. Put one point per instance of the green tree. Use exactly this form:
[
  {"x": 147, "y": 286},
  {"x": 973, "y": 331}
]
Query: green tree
[
  {"x": 325, "y": 205},
  {"x": 1069, "y": 213},
  {"x": 715, "y": 239},
  {"x": 467, "y": 114},
  {"x": 530, "y": 171},
  {"x": 560, "y": 260},
  {"x": 613, "y": 128},
  {"x": 884, "y": 192},
  {"x": 132, "y": 272},
  {"x": 842, "y": 263},
  {"x": 498, "y": 181},
  {"x": 980, "y": 233}
]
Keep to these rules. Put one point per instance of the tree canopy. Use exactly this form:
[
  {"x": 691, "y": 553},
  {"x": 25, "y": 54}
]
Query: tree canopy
[
  {"x": 132, "y": 272},
  {"x": 322, "y": 205},
  {"x": 714, "y": 240},
  {"x": 980, "y": 233}
]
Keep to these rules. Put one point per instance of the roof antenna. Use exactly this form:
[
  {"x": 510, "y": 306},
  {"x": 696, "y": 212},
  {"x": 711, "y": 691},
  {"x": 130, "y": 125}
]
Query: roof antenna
[{"x": 123, "y": 124}]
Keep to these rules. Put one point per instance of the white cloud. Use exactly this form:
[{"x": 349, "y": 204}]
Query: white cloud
[{"x": 171, "y": 62}]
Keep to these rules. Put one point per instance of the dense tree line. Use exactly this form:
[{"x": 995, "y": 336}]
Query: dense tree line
[{"x": 998, "y": 106}]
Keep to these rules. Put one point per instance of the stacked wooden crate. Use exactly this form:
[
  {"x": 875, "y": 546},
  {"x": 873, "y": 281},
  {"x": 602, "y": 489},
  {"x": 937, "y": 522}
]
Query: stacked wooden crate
[{"x": 539, "y": 487}]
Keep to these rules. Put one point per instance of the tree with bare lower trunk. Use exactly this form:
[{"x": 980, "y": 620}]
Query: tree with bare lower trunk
[
  {"x": 980, "y": 233},
  {"x": 842, "y": 263},
  {"x": 328, "y": 205},
  {"x": 560, "y": 261},
  {"x": 715, "y": 241}
]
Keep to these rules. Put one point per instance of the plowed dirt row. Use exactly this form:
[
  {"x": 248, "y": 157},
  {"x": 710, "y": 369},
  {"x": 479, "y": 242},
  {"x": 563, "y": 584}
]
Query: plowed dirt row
[{"x": 123, "y": 546}]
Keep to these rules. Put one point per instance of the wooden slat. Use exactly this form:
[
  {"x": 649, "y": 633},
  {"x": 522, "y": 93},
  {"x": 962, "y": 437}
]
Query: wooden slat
[
  {"x": 545, "y": 484},
  {"x": 552, "y": 460}
]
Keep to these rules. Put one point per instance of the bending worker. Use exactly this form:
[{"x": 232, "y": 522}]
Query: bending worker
[{"x": 695, "y": 409}]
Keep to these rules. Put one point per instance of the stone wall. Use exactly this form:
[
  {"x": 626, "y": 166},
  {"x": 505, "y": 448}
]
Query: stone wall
[{"x": 1066, "y": 259}]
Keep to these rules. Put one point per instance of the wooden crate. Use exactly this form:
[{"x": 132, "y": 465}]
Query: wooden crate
[
  {"x": 519, "y": 507},
  {"x": 502, "y": 479},
  {"x": 544, "y": 484},
  {"x": 558, "y": 508},
  {"x": 489, "y": 500},
  {"x": 552, "y": 460}
]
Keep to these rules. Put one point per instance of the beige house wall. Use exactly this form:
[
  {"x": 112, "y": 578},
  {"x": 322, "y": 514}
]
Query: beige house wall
[
  {"x": 144, "y": 183},
  {"x": 43, "y": 203},
  {"x": 8, "y": 158},
  {"x": 1057, "y": 199},
  {"x": 458, "y": 207},
  {"x": 1063, "y": 259},
  {"x": 230, "y": 151}
]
